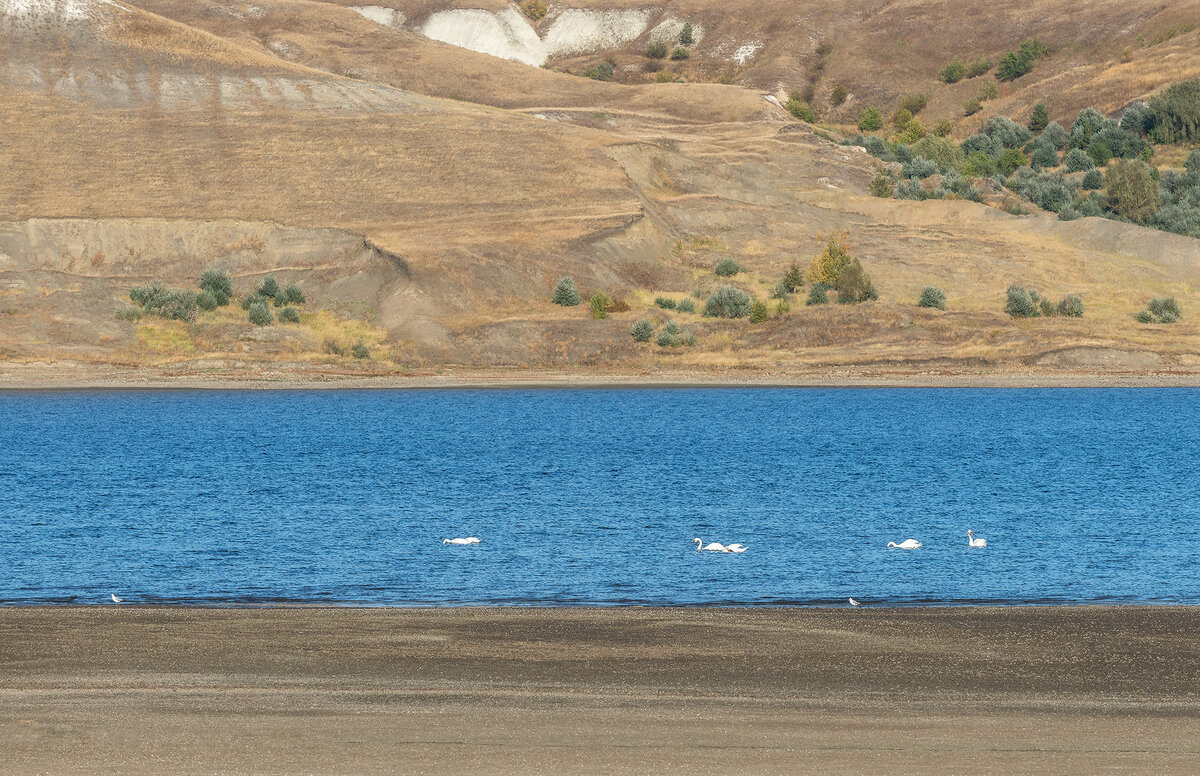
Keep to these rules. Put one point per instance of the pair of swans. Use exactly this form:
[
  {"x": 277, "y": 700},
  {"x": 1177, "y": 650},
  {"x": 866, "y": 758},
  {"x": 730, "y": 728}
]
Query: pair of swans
[
  {"x": 718, "y": 547},
  {"x": 467, "y": 540},
  {"x": 913, "y": 544}
]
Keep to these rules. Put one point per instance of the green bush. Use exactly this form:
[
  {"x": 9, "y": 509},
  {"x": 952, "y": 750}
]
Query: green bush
[
  {"x": 1174, "y": 115},
  {"x": 870, "y": 120},
  {"x": 155, "y": 298},
  {"x": 793, "y": 277},
  {"x": 206, "y": 300},
  {"x": 818, "y": 294},
  {"x": 657, "y": 49},
  {"x": 642, "y": 330},
  {"x": 1010, "y": 161},
  {"x": 1022, "y": 302},
  {"x": 360, "y": 350},
  {"x": 1044, "y": 155},
  {"x": 989, "y": 91},
  {"x": 1100, "y": 152},
  {"x": 944, "y": 152},
  {"x": 780, "y": 291},
  {"x": 800, "y": 109},
  {"x": 1056, "y": 135},
  {"x": 680, "y": 52},
  {"x": 1078, "y": 160},
  {"x": 686, "y": 36},
  {"x": 670, "y": 336},
  {"x": 953, "y": 72},
  {"x": 1039, "y": 118},
  {"x": 1144, "y": 317},
  {"x": 218, "y": 283},
  {"x": 333, "y": 348},
  {"x": 914, "y": 103},
  {"x": 269, "y": 287},
  {"x": 1164, "y": 310},
  {"x": 686, "y": 306},
  {"x": 972, "y": 106},
  {"x": 1192, "y": 165},
  {"x": 932, "y": 297},
  {"x": 1071, "y": 306},
  {"x": 565, "y": 293},
  {"x": 728, "y": 302},
  {"x": 600, "y": 304},
  {"x": 664, "y": 303},
  {"x": 1017, "y": 63},
  {"x": 260, "y": 314},
  {"x": 1092, "y": 179},
  {"x": 854, "y": 284},
  {"x": 901, "y": 118},
  {"x": 978, "y": 66},
  {"x": 838, "y": 95},
  {"x": 759, "y": 311},
  {"x": 602, "y": 71},
  {"x": 1131, "y": 190},
  {"x": 293, "y": 295},
  {"x": 882, "y": 186},
  {"x": 251, "y": 299},
  {"x": 727, "y": 268},
  {"x": 289, "y": 315}
]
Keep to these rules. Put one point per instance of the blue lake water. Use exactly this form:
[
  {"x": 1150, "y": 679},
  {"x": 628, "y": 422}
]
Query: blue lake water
[{"x": 594, "y": 496}]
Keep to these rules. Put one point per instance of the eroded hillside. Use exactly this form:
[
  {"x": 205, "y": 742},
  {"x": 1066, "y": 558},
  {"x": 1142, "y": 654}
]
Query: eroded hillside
[{"x": 426, "y": 197}]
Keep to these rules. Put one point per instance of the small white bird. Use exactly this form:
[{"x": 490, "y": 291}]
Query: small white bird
[
  {"x": 853, "y": 602},
  {"x": 114, "y": 598},
  {"x": 973, "y": 542},
  {"x": 907, "y": 544},
  {"x": 460, "y": 540},
  {"x": 736, "y": 548}
]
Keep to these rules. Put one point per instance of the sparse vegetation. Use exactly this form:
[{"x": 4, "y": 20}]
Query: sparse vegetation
[
  {"x": 799, "y": 108},
  {"x": 680, "y": 52},
  {"x": 931, "y": 296},
  {"x": 664, "y": 303},
  {"x": 600, "y": 304},
  {"x": 882, "y": 186},
  {"x": 838, "y": 95},
  {"x": 565, "y": 293},
  {"x": 155, "y": 298},
  {"x": 914, "y": 103},
  {"x": 534, "y": 9},
  {"x": 601, "y": 71},
  {"x": 360, "y": 350},
  {"x": 685, "y": 306},
  {"x": 642, "y": 330},
  {"x": 727, "y": 302},
  {"x": 727, "y": 268},
  {"x": 978, "y": 66}
]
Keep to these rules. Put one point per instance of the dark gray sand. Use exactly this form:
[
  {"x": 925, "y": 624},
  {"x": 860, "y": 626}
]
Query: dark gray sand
[{"x": 1063, "y": 690}]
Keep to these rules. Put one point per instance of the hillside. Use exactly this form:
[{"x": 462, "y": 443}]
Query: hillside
[{"x": 426, "y": 197}]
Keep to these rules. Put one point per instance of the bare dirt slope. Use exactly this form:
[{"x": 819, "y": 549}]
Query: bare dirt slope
[{"x": 309, "y": 133}]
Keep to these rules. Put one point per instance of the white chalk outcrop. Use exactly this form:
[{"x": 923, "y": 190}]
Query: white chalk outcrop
[
  {"x": 668, "y": 30},
  {"x": 25, "y": 12},
  {"x": 509, "y": 35},
  {"x": 388, "y": 17}
]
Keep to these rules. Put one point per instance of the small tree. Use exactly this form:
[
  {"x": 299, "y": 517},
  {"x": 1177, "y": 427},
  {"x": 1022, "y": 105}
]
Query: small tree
[
  {"x": 642, "y": 330},
  {"x": 685, "y": 35},
  {"x": 260, "y": 314},
  {"x": 289, "y": 315},
  {"x": 1039, "y": 118},
  {"x": 759, "y": 311},
  {"x": 219, "y": 284},
  {"x": 854, "y": 284},
  {"x": 1071, "y": 306},
  {"x": 818, "y": 294},
  {"x": 838, "y": 95},
  {"x": 793, "y": 277},
  {"x": 360, "y": 350},
  {"x": 728, "y": 302},
  {"x": 269, "y": 287},
  {"x": 657, "y": 49},
  {"x": 727, "y": 268},
  {"x": 565, "y": 293},
  {"x": 953, "y": 72},
  {"x": 1131, "y": 190},
  {"x": 932, "y": 297},
  {"x": 870, "y": 119},
  {"x": 1022, "y": 302},
  {"x": 882, "y": 186},
  {"x": 600, "y": 304},
  {"x": 828, "y": 265},
  {"x": 680, "y": 52},
  {"x": 1078, "y": 160}
]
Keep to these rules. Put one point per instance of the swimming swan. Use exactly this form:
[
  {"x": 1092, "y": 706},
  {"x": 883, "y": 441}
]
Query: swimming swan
[
  {"x": 973, "y": 542},
  {"x": 713, "y": 547},
  {"x": 468, "y": 540},
  {"x": 907, "y": 544},
  {"x": 736, "y": 548}
]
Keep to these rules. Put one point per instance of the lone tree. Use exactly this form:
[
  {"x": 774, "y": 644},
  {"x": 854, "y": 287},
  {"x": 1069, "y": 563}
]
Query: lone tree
[
  {"x": 854, "y": 284},
  {"x": 1039, "y": 119},
  {"x": 565, "y": 293},
  {"x": 828, "y": 265},
  {"x": 685, "y": 35},
  {"x": 1131, "y": 190}
]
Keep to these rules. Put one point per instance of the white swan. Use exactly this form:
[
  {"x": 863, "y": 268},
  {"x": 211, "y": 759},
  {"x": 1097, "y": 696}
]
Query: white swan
[
  {"x": 973, "y": 542},
  {"x": 907, "y": 544},
  {"x": 712, "y": 547},
  {"x": 114, "y": 598},
  {"x": 736, "y": 548},
  {"x": 468, "y": 540}
]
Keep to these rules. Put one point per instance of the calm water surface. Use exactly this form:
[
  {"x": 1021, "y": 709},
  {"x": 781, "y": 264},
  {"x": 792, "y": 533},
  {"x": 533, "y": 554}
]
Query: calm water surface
[{"x": 594, "y": 496}]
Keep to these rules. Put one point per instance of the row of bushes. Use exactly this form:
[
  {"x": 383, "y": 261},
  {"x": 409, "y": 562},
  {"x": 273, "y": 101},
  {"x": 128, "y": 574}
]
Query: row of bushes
[
  {"x": 1026, "y": 303},
  {"x": 956, "y": 70},
  {"x": 672, "y": 335},
  {"x": 267, "y": 293}
]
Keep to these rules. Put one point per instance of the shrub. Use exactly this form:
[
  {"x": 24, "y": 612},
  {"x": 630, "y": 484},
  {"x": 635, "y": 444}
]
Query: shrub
[
  {"x": 1078, "y": 160},
  {"x": 1010, "y": 161},
  {"x": 1071, "y": 306},
  {"x": 943, "y": 128},
  {"x": 1039, "y": 118},
  {"x": 155, "y": 298},
  {"x": 727, "y": 268},
  {"x": 686, "y": 306},
  {"x": 260, "y": 314},
  {"x": 882, "y": 186},
  {"x": 1100, "y": 152},
  {"x": 759, "y": 311},
  {"x": 269, "y": 287},
  {"x": 565, "y": 293},
  {"x": 913, "y": 131},
  {"x": 619, "y": 306},
  {"x": 289, "y": 315},
  {"x": 1093, "y": 179},
  {"x": 1192, "y": 165},
  {"x": 978, "y": 67},
  {"x": 870, "y": 119},
  {"x": 360, "y": 350},
  {"x": 670, "y": 336},
  {"x": 953, "y": 72},
  {"x": 293, "y": 295},
  {"x": 972, "y": 106},
  {"x": 800, "y": 109},
  {"x": 838, "y": 95},
  {"x": 1131, "y": 190},
  {"x": 818, "y": 294},
  {"x": 600, "y": 304},
  {"x": 642, "y": 330},
  {"x": 1164, "y": 310},
  {"x": 783, "y": 307},
  {"x": 919, "y": 168},
  {"x": 944, "y": 152},
  {"x": 914, "y": 103},
  {"x": 854, "y": 284},
  {"x": 932, "y": 297},
  {"x": 686, "y": 36},
  {"x": 901, "y": 118},
  {"x": 1174, "y": 115},
  {"x": 664, "y": 303},
  {"x": 1017, "y": 63},
  {"x": 218, "y": 283},
  {"x": 1143, "y": 317},
  {"x": 333, "y": 348},
  {"x": 989, "y": 91},
  {"x": 206, "y": 300},
  {"x": 1046, "y": 307},
  {"x": 250, "y": 299},
  {"x": 793, "y": 277},
  {"x": 780, "y": 291},
  {"x": 664, "y": 77},
  {"x": 1007, "y": 132},
  {"x": 827, "y": 266},
  {"x": 728, "y": 302},
  {"x": 657, "y": 49},
  {"x": 1056, "y": 135},
  {"x": 979, "y": 165},
  {"x": 1022, "y": 302},
  {"x": 602, "y": 71},
  {"x": 1044, "y": 155},
  {"x": 680, "y": 52},
  {"x": 128, "y": 313}
]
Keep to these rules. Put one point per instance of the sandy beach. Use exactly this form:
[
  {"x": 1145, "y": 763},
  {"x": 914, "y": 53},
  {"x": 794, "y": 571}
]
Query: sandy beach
[{"x": 1064, "y": 690}]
